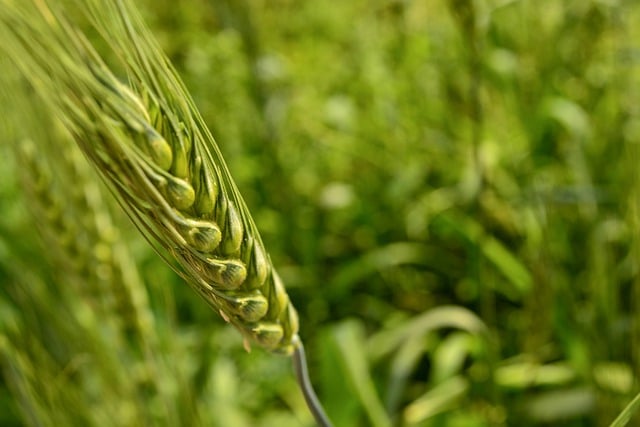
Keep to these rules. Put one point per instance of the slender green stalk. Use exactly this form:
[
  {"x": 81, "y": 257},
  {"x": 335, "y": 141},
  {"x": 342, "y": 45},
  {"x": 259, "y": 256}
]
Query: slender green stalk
[{"x": 302, "y": 375}]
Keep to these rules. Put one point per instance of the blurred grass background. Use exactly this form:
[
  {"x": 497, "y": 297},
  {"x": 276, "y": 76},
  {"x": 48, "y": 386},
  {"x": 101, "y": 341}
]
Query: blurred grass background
[{"x": 449, "y": 189}]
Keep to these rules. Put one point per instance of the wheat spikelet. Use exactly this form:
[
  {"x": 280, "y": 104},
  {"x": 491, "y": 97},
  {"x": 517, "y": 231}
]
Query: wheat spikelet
[{"x": 150, "y": 144}]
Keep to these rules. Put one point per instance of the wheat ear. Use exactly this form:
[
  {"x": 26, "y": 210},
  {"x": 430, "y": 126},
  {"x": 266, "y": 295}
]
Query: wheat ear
[{"x": 79, "y": 233}]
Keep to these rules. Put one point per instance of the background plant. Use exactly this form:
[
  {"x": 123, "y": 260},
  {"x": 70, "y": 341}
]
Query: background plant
[{"x": 402, "y": 160}]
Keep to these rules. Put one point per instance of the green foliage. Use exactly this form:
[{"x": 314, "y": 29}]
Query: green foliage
[{"x": 449, "y": 189}]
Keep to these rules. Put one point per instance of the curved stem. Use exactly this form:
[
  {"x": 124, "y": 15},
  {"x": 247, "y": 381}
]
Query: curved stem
[{"x": 302, "y": 375}]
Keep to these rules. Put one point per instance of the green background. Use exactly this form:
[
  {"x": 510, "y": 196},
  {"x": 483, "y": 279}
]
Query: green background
[{"x": 450, "y": 191}]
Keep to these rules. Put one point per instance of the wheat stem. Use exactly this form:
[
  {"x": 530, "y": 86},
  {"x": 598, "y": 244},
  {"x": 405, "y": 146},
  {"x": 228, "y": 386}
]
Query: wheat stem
[{"x": 302, "y": 375}]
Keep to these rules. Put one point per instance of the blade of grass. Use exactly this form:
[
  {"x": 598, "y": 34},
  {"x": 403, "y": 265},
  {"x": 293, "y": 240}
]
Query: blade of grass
[
  {"x": 349, "y": 338},
  {"x": 623, "y": 418}
]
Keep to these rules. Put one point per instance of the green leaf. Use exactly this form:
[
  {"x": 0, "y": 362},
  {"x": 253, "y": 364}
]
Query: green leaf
[
  {"x": 439, "y": 399},
  {"x": 450, "y": 316},
  {"x": 626, "y": 414},
  {"x": 350, "y": 340}
]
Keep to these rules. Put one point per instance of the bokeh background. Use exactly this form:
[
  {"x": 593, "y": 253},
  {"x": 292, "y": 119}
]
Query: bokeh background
[{"x": 449, "y": 189}]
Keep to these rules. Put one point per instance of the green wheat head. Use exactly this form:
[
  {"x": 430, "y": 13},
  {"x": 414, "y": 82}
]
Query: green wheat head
[{"x": 151, "y": 146}]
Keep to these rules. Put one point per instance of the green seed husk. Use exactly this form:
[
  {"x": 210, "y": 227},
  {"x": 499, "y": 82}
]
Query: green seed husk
[
  {"x": 203, "y": 236},
  {"x": 180, "y": 193},
  {"x": 159, "y": 149},
  {"x": 180, "y": 166},
  {"x": 248, "y": 308},
  {"x": 268, "y": 334},
  {"x": 206, "y": 190},
  {"x": 258, "y": 266},
  {"x": 278, "y": 299},
  {"x": 227, "y": 274},
  {"x": 233, "y": 231}
]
